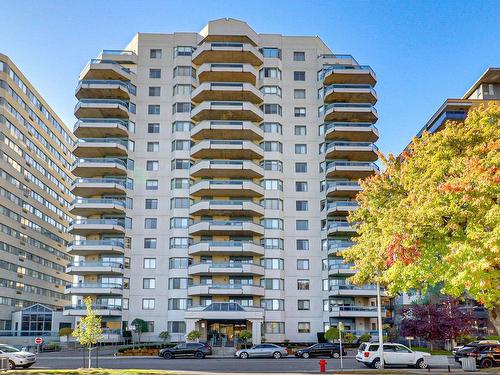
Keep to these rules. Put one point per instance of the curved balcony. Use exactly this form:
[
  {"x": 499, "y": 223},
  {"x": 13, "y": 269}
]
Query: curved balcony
[
  {"x": 226, "y": 228},
  {"x": 226, "y": 111},
  {"x": 355, "y": 311},
  {"x": 226, "y": 208},
  {"x": 335, "y": 247},
  {"x": 357, "y": 112},
  {"x": 100, "y": 147},
  {"x": 101, "y": 310},
  {"x": 358, "y": 74},
  {"x": 342, "y": 189},
  {"x": 353, "y": 290},
  {"x": 227, "y": 130},
  {"x": 226, "y": 289},
  {"x": 226, "y": 268},
  {"x": 227, "y": 91},
  {"x": 102, "y": 108},
  {"x": 350, "y": 131},
  {"x": 93, "y": 247},
  {"x": 226, "y": 149},
  {"x": 94, "y": 289},
  {"x": 119, "y": 55},
  {"x": 362, "y": 151},
  {"x": 227, "y": 188},
  {"x": 222, "y": 72},
  {"x": 96, "y": 206},
  {"x": 106, "y": 69},
  {"x": 101, "y": 128},
  {"x": 354, "y": 93},
  {"x": 84, "y": 227},
  {"x": 339, "y": 228},
  {"x": 104, "y": 89},
  {"x": 89, "y": 187},
  {"x": 341, "y": 269},
  {"x": 231, "y": 52},
  {"x": 226, "y": 248},
  {"x": 88, "y": 268},
  {"x": 341, "y": 208},
  {"x": 88, "y": 167},
  {"x": 350, "y": 169},
  {"x": 226, "y": 168}
]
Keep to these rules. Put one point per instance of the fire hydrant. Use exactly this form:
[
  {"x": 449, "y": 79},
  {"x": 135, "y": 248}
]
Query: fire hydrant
[{"x": 322, "y": 365}]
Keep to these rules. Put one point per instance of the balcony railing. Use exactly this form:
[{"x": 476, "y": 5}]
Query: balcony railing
[
  {"x": 94, "y": 306},
  {"x": 113, "y": 242},
  {"x": 102, "y": 121},
  {"x": 95, "y": 286},
  {"x": 90, "y": 201},
  {"x": 227, "y": 223},
  {"x": 121, "y": 141},
  {"x": 349, "y": 105},
  {"x": 126, "y": 85},
  {"x": 329, "y": 68},
  {"x": 104, "y": 101},
  {"x": 108, "y": 61},
  {"x": 120, "y": 222},
  {"x": 341, "y": 205},
  {"x": 225, "y": 264},
  {"x": 348, "y": 286},
  {"x": 341, "y": 183},
  {"x": 337, "y": 245},
  {"x": 95, "y": 264},
  {"x": 227, "y": 286},
  {"x": 370, "y": 145},
  {"x": 122, "y": 182},
  {"x": 100, "y": 161},
  {"x": 338, "y": 225},
  {"x": 354, "y": 164}
]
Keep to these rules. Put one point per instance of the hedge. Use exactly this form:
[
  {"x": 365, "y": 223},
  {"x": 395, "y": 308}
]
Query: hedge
[{"x": 146, "y": 346}]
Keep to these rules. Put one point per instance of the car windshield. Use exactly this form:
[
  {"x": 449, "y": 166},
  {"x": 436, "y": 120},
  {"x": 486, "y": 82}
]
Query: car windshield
[{"x": 8, "y": 349}]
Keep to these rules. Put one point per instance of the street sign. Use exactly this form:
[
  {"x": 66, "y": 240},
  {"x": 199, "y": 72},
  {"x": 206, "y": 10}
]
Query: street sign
[
  {"x": 38, "y": 340},
  {"x": 410, "y": 338}
]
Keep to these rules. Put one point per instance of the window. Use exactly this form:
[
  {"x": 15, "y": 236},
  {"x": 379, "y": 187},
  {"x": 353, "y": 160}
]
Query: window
[
  {"x": 148, "y": 304},
  {"x": 179, "y": 242},
  {"x": 302, "y": 244},
  {"x": 299, "y": 56},
  {"x": 301, "y": 205},
  {"x": 300, "y": 167},
  {"x": 272, "y": 204},
  {"x": 181, "y": 108},
  {"x": 151, "y": 184},
  {"x": 150, "y": 243},
  {"x": 303, "y": 284},
  {"x": 272, "y": 263},
  {"x": 272, "y": 165},
  {"x": 302, "y": 264},
  {"x": 152, "y": 165},
  {"x": 151, "y": 204},
  {"x": 149, "y": 263},
  {"x": 299, "y": 94},
  {"x": 272, "y": 184},
  {"x": 181, "y": 164},
  {"x": 183, "y": 89},
  {"x": 273, "y": 284},
  {"x": 301, "y": 186},
  {"x": 178, "y": 263},
  {"x": 150, "y": 223},
  {"x": 184, "y": 71},
  {"x": 272, "y": 304},
  {"x": 299, "y": 76},
  {"x": 273, "y": 327},
  {"x": 302, "y": 224},
  {"x": 179, "y": 183},
  {"x": 155, "y": 73},
  {"x": 271, "y": 90},
  {"x": 301, "y": 149},
  {"x": 179, "y": 303},
  {"x": 299, "y": 112},
  {"x": 154, "y": 91},
  {"x": 183, "y": 51},
  {"x": 271, "y": 127},
  {"x": 181, "y": 126},
  {"x": 148, "y": 283},
  {"x": 272, "y": 243},
  {"x": 269, "y": 223},
  {"x": 178, "y": 283},
  {"x": 155, "y": 53},
  {"x": 179, "y": 222},
  {"x": 300, "y": 130},
  {"x": 304, "y": 327},
  {"x": 176, "y": 326},
  {"x": 303, "y": 304},
  {"x": 153, "y": 109},
  {"x": 181, "y": 144},
  {"x": 180, "y": 203},
  {"x": 270, "y": 73},
  {"x": 272, "y": 146},
  {"x": 271, "y": 52},
  {"x": 153, "y": 128},
  {"x": 271, "y": 109},
  {"x": 153, "y": 146}
]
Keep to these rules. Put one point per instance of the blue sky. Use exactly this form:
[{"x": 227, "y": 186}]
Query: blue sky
[{"x": 422, "y": 51}]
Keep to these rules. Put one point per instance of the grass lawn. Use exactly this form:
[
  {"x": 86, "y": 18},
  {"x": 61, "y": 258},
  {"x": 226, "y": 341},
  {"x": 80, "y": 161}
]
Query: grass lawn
[
  {"x": 435, "y": 351},
  {"x": 95, "y": 371}
]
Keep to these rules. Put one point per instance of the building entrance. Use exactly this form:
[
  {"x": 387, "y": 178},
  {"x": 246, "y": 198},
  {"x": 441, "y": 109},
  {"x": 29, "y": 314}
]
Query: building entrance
[{"x": 225, "y": 332}]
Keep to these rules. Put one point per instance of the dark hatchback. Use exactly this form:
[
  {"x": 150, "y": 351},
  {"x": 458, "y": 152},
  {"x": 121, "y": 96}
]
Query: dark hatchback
[
  {"x": 326, "y": 349},
  {"x": 193, "y": 349},
  {"x": 486, "y": 355}
]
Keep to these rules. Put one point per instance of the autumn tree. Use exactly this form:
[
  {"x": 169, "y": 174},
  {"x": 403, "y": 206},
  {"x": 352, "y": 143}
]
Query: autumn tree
[
  {"x": 433, "y": 217},
  {"x": 88, "y": 331}
]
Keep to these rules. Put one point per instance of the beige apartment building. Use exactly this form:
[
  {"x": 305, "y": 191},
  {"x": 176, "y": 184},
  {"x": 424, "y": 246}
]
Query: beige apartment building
[
  {"x": 215, "y": 171},
  {"x": 35, "y": 195}
]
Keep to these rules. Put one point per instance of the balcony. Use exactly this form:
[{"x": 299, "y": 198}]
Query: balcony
[
  {"x": 341, "y": 269},
  {"x": 354, "y": 311},
  {"x": 227, "y": 73},
  {"x": 95, "y": 206},
  {"x": 226, "y": 208},
  {"x": 226, "y": 168},
  {"x": 362, "y": 151},
  {"x": 93, "y": 289},
  {"x": 101, "y": 310},
  {"x": 105, "y": 89},
  {"x": 353, "y": 290},
  {"x": 354, "y": 93},
  {"x": 84, "y": 227},
  {"x": 101, "y": 128},
  {"x": 88, "y": 268},
  {"x": 119, "y": 55},
  {"x": 230, "y": 52},
  {"x": 227, "y": 188},
  {"x": 225, "y": 228},
  {"x": 350, "y": 169},
  {"x": 227, "y": 111},
  {"x": 102, "y": 108},
  {"x": 226, "y": 248},
  {"x": 342, "y": 189},
  {"x": 227, "y": 130},
  {"x": 339, "y": 228},
  {"x": 93, "y": 247},
  {"x": 351, "y": 131},
  {"x": 227, "y": 268},
  {"x": 224, "y": 310},
  {"x": 341, "y": 208},
  {"x": 100, "y": 147},
  {"x": 226, "y": 289},
  {"x": 335, "y": 247},
  {"x": 227, "y": 91},
  {"x": 357, "y": 112},
  {"x": 226, "y": 149},
  {"x": 357, "y": 74},
  {"x": 89, "y": 187},
  {"x": 88, "y": 167},
  {"x": 106, "y": 69}
]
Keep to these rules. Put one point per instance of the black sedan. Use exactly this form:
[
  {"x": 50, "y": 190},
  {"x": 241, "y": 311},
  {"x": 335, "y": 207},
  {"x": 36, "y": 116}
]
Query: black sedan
[
  {"x": 196, "y": 349},
  {"x": 326, "y": 349}
]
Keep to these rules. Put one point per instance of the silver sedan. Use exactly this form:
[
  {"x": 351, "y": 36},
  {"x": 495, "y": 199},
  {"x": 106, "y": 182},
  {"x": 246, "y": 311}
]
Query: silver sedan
[{"x": 262, "y": 350}]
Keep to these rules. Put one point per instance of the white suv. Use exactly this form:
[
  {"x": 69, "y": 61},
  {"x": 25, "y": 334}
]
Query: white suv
[
  {"x": 394, "y": 354},
  {"x": 17, "y": 358}
]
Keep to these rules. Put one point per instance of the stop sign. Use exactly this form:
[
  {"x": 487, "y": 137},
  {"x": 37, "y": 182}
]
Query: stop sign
[{"x": 38, "y": 340}]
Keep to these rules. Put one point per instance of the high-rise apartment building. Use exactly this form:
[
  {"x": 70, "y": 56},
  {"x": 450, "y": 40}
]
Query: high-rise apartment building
[
  {"x": 35, "y": 195},
  {"x": 216, "y": 171}
]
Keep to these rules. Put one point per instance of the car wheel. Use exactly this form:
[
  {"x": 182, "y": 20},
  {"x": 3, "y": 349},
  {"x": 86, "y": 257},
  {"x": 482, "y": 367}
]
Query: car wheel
[
  {"x": 199, "y": 355},
  {"x": 276, "y": 355},
  {"x": 421, "y": 363},
  {"x": 12, "y": 365},
  {"x": 28, "y": 366},
  {"x": 335, "y": 355},
  {"x": 244, "y": 355},
  {"x": 486, "y": 363},
  {"x": 377, "y": 364},
  {"x": 305, "y": 355},
  {"x": 167, "y": 355}
]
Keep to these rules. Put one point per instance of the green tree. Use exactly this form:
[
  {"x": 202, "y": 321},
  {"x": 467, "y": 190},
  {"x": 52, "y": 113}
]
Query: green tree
[
  {"x": 140, "y": 327},
  {"x": 164, "y": 335},
  {"x": 365, "y": 337},
  {"x": 88, "y": 331},
  {"x": 66, "y": 331},
  {"x": 433, "y": 216},
  {"x": 194, "y": 335},
  {"x": 348, "y": 337},
  {"x": 332, "y": 334},
  {"x": 245, "y": 335}
]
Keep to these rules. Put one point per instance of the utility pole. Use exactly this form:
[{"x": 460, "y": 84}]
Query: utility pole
[{"x": 380, "y": 333}]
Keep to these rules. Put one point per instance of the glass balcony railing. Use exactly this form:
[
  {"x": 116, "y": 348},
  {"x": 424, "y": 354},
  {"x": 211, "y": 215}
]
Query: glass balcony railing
[
  {"x": 340, "y": 266},
  {"x": 111, "y": 242},
  {"x": 323, "y": 128},
  {"x": 126, "y": 184},
  {"x": 94, "y": 306},
  {"x": 104, "y": 101},
  {"x": 90, "y": 201},
  {"x": 338, "y": 225},
  {"x": 120, "y": 52},
  {"x": 225, "y": 264},
  {"x": 114, "y": 63},
  {"x": 107, "y": 120},
  {"x": 227, "y": 286},
  {"x": 225, "y": 243},
  {"x": 95, "y": 264},
  {"x": 337, "y": 245},
  {"x": 226, "y": 223},
  {"x": 94, "y": 285},
  {"x": 348, "y": 286},
  {"x": 341, "y": 205},
  {"x": 121, "y": 141},
  {"x": 225, "y": 202},
  {"x": 100, "y": 161},
  {"x": 126, "y": 85},
  {"x": 369, "y": 145},
  {"x": 353, "y": 164},
  {"x": 119, "y": 222},
  {"x": 342, "y": 183},
  {"x": 348, "y": 105},
  {"x": 328, "y": 68}
]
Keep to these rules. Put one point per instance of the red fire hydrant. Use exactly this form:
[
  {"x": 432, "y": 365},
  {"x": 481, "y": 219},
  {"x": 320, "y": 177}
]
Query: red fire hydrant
[{"x": 322, "y": 365}]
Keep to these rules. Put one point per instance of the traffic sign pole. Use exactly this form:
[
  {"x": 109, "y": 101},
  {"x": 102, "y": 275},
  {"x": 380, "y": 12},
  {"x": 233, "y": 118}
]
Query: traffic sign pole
[{"x": 340, "y": 345}]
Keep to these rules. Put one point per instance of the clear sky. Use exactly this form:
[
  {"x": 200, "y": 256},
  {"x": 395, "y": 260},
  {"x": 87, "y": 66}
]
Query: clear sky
[{"x": 422, "y": 51}]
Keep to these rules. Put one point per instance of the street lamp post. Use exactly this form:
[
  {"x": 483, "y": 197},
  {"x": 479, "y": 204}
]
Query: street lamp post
[{"x": 380, "y": 333}]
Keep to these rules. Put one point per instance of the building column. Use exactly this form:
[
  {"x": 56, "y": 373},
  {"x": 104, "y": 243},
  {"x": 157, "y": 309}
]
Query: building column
[{"x": 256, "y": 331}]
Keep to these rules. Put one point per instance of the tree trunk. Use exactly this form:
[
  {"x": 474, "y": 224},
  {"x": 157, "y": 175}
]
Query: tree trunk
[
  {"x": 90, "y": 357},
  {"x": 494, "y": 315},
  {"x": 431, "y": 344}
]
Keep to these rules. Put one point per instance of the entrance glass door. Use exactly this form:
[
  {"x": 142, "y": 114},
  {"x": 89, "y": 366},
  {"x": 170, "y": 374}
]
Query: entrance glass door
[{"x": 224, "y": 333}]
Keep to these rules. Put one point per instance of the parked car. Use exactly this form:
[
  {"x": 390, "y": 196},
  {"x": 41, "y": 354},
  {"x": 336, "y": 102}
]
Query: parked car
[
  {"x": 326, "y": 349},
  {"x": 394, "y": 354},
  {"x": 197, "y": 349},
  {"x": 262, "y": 350},
  {"x": 479, "y": 342},
  {"x": 17, "y": 358},
  {"x": 486, "y": 355}
]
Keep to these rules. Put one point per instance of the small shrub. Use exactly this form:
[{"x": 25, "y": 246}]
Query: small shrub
[{"x": 365, "y": 337}]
